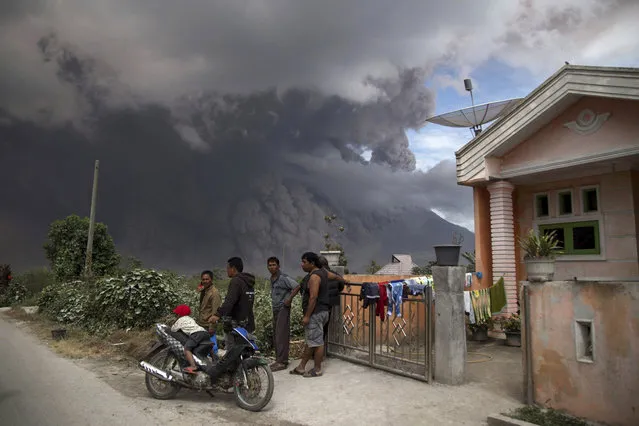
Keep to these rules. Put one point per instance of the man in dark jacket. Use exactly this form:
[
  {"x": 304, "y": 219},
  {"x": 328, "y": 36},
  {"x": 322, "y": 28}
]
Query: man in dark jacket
[
  {"x": 335, "y": 287},
  {"x": 237, "y": 309}
]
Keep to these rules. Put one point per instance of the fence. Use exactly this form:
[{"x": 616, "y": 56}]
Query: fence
[{"x": 399, "y": 344}]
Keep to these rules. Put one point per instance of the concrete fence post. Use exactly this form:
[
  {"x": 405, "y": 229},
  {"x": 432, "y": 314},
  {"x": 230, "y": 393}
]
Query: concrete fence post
[{"x": 450, "y": 325}]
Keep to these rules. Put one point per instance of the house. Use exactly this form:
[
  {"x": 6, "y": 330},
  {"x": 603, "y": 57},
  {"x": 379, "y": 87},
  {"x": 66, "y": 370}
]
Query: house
[
  {"x": 400, "y": 264},
  {"x": 567, "y": 159}
]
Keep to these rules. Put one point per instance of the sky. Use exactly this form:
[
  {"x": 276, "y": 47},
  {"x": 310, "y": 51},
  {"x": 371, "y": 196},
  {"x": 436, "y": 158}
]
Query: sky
[{"x": 296, "y": 108}]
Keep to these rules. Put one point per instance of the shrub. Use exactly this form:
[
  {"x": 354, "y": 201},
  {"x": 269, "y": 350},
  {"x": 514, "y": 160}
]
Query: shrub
[
  {"x": 67, "y": 303},
  {"x": 15, "y": 294},
  {"x": 36, "y": 279},
  {"x": 137, "y": 299},
  {"x": 66, "y": 248}
]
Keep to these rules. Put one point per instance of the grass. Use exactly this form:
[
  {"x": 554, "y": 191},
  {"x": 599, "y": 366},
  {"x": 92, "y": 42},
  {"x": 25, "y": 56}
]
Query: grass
[
  {"x": 545, "y": 417},
  {"x": 81, "y": 344}
]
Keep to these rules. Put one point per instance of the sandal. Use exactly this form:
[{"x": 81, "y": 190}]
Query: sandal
[
  {"x": 190, "y": 370},
  {"x": 312, "y": 373},
  {"x": 296, "y": 372}
]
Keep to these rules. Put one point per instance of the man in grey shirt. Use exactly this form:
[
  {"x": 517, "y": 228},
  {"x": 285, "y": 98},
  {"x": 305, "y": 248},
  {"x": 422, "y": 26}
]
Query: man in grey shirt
[{"x": 282, "y": 287}]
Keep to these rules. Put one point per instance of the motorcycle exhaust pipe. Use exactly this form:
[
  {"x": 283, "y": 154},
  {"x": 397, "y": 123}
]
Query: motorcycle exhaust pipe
[{"x": 154, "y": 371}]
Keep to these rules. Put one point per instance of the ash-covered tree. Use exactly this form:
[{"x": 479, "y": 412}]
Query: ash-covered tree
[
  {"x": 66, "y": 244},
  {"x": 373, "y": 267},
  {"x": 330, "y": 242}
]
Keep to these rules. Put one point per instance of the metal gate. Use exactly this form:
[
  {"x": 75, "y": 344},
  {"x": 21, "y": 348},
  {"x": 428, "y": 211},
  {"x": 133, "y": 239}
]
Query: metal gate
[{"x": 399, "y": 344}]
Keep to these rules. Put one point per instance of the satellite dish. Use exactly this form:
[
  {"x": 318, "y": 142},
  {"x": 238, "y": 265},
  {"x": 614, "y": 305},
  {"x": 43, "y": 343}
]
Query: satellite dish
[{"x": 475, "y": 116}]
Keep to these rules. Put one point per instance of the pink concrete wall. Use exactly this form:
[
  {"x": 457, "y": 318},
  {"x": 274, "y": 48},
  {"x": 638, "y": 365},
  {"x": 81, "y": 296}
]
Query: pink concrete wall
[
  {"x": 556, "y": 142},
  {"x": 619, "y": 223},
  {"x": 634, "y": 177},
  {"x": 607, "y": 389}
]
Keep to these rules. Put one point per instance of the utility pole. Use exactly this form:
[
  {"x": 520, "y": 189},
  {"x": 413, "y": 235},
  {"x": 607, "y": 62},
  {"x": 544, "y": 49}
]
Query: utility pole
[{"x": 88, "y": 272}]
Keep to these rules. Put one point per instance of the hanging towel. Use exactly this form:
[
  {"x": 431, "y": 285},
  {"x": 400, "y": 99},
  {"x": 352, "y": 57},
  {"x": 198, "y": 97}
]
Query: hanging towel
[
  {"x": 468, "y": 307},
  {"x": 480, "y": 300},
  {"x": 395, "y": 298},
  {"x": 497, "y": 296},
  {"x": 469, "y": 280}
]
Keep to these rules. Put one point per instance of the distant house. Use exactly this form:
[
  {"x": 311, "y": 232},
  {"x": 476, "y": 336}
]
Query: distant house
[{"x": 400, "y": 264}]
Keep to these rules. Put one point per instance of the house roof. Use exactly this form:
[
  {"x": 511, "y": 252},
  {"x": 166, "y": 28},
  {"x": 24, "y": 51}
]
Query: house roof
[
  {"x": 401, "y": 264},
  {"x": 552, "y": 97}
]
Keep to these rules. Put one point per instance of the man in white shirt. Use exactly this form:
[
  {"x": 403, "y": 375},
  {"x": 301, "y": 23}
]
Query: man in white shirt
[{"x": 196, "y": 334}]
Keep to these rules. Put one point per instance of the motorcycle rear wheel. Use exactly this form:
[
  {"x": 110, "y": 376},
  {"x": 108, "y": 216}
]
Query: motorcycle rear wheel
[
  {"x": 245, "y": 398},
  {"x": 160, "y": 389}
]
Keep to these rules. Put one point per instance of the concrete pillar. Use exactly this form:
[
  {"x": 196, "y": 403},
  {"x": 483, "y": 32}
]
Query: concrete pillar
[
  {"x": 502, "y": 236},
  {"x": 450, "y": 325}
]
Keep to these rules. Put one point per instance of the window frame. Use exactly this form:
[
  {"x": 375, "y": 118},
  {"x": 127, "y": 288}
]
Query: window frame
[
  {"x": 572, "y": 202},
  {"x": 535, "y": 212},
  {"x": 583, "y": 189}
]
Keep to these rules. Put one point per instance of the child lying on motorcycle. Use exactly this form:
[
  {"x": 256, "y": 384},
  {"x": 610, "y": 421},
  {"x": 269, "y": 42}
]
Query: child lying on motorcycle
[{"x": 196, "y": 334}]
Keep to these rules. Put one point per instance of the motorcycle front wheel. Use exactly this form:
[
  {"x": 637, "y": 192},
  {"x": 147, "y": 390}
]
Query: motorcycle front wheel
[
  {"x": 253, "y": 391},
  {"x": 161, "y": 389}
]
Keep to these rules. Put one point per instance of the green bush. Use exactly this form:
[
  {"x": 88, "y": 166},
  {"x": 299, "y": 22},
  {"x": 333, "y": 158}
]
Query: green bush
[
  {"x": 15, "y": 294},
  {"x": 137, "y": 299},
  {"x": 35, "y": 279},
  {"x": 67, "y": 303},
  {"x": 66, "y": 248}
]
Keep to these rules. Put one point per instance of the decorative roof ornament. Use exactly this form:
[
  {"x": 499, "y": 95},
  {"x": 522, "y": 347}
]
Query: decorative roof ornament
[{"x": 588, "y": 122}]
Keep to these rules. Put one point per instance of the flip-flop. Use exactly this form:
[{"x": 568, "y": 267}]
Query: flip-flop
[
  {"x": 296, "y": 372},
  {"x": 312, "y": 373},
  {"x": 190, "y": 370}
]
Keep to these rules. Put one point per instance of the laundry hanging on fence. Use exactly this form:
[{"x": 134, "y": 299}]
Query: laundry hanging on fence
[
  {"x": 497, "y": 296},
  {"x": 380, "y": 308},
  {"x": 395, "y": 299},
  {"x": 369, "y": 293},
  {"x": 480, "y": 300}
]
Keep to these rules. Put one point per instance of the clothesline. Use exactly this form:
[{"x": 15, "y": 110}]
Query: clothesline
[
  {"x": 392, "y": 293},
  {"x": 481, "y": 304}
]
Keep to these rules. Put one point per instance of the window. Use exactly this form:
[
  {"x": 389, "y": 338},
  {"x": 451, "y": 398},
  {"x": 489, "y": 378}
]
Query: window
[
  {"x": 575, "y": 237},
  {"x": 590, "y": 200},
  {"x": 542, "y": 207},
  {"x": 564, "y": 202},
  {"x": 584, "y": 341}
]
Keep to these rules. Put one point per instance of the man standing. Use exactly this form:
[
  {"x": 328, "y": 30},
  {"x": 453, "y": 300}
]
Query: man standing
[
  {"x": 335, "y": 287},
  {"x": 282, "y": 287},
  {"x": 210, "y": 301},
  {"x": 315, "y": 303},
  {"x": 237, "y": 309}
]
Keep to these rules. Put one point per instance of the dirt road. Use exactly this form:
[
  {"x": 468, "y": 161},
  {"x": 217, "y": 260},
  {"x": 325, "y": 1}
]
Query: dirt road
[{"x": 39, "y": 388}]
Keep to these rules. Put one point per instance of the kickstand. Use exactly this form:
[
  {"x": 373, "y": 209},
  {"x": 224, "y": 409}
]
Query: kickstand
[{"x": 210, "y": 393}]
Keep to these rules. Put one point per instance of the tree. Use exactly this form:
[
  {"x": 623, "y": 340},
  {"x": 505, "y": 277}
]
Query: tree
[
  {"x": 373, "y": 267},
  {"x": 330, "y": 243},
  {"x": 470, "y": 257},
  {"x": 424, "y": 270},
  {"x": 66, "y": 245}
]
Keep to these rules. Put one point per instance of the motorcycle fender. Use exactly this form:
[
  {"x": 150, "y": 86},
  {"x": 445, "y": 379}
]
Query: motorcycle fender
[{"x": 157, "y": 347}]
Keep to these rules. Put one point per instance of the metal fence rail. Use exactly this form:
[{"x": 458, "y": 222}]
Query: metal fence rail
[{"x": 399, "y": 344}]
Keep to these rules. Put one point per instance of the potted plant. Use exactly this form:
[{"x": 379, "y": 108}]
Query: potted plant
[
  {"x": 511, "y": 326},
  {"x": 480, "y": 329},
  {"x": 540, "y": 252},
  {"x": 448, "y": 254}
]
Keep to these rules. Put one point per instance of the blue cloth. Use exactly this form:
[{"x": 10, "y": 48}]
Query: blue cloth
[
  {"x": 214, "y": 340},
  {"x": 395, "y": 298}
]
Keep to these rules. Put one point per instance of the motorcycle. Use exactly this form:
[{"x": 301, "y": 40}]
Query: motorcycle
[{"x": 164, "y": 363}]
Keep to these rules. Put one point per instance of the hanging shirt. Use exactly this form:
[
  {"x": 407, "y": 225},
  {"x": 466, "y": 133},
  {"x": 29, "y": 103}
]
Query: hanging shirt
[
  {"x": 468, "y": 307},
  {"x": 469, "y": 280},
  {"x": 395, "y": 299},
  {"x": 383, "y": 301}
]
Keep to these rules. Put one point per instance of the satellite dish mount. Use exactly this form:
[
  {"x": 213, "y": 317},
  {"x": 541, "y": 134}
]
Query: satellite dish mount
[{"x": 468, "y": 85}]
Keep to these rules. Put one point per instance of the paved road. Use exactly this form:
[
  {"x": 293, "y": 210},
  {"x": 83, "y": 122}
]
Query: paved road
[{"x": 39, "y": 388}]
